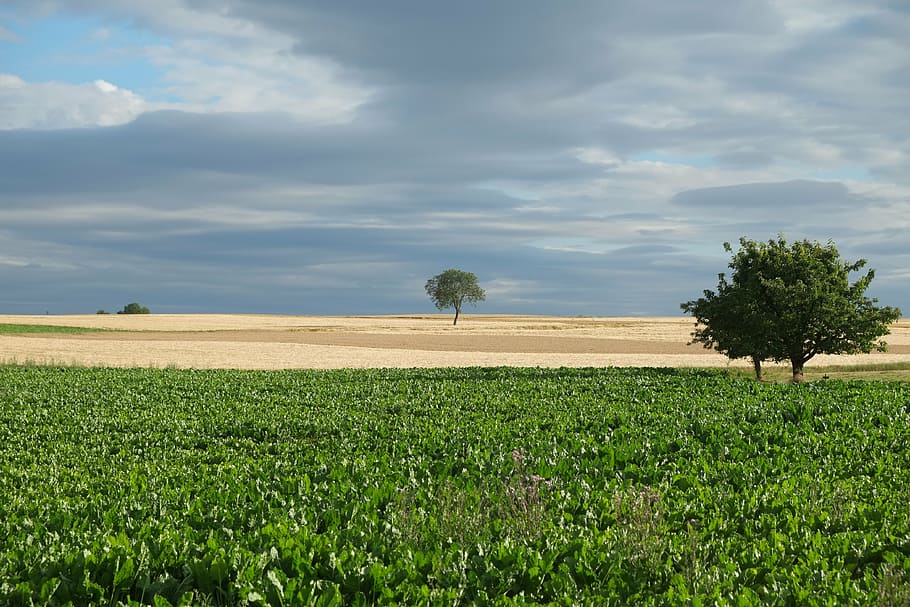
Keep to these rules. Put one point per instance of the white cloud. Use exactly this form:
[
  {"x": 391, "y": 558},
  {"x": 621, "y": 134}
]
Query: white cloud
[
  {"x": 597, "y": 155},
  {"x": 17, "y": 262},
  {"x": 105, "y": 86},
  {"x": 815, "y": 15},
  {"x": 255, "y": 75},
  {"x": 9, "y": 81},
  {"x": 57, "y": 105},
  {"x": 170, "y": 221},
  {"x": 658, "y": 117}
]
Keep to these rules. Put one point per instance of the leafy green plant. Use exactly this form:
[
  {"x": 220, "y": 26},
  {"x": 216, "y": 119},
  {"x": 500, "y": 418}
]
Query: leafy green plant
[{"x": 450, "y": 486}]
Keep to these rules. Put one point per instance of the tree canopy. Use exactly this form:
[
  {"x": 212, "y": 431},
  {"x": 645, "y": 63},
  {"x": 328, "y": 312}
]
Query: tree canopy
[
  {"x": 789, "y": 303},
  {"x": 134, "y": 308},
  {"x": 452, "y": 289}
]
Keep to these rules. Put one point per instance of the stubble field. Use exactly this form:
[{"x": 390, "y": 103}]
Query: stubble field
[{"x": 213, "y": 341}]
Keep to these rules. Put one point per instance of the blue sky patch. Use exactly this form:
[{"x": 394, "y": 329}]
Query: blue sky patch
[{"x": 76, "y": 50}]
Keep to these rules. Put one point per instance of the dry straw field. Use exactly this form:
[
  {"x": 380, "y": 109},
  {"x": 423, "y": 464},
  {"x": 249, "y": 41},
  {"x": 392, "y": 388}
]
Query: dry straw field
[{"x": 311, "y": 342}]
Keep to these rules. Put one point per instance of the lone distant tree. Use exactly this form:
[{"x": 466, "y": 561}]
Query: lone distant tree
[
  {"x": 790, "y": 302},
  {"x": 134, "y": 308},
  {"x": 452, "y": 289}
]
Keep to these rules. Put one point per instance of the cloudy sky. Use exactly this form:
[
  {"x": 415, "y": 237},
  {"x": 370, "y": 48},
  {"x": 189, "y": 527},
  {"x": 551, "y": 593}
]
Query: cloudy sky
[{"x": 325, "y": 157}]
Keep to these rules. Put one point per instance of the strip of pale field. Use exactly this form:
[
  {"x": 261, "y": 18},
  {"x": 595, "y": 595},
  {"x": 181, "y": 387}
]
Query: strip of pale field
[
  {"x": 290, "y": 342},
  {"x": 659, "y": 328}
]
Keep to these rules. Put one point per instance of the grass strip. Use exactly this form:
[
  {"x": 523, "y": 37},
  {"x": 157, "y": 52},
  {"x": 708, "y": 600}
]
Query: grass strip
[
  {"x": 17, "y": 329},
  {"x": 893, "y": 371}
]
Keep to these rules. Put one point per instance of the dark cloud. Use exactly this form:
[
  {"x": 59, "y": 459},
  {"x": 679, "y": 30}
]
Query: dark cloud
[
  {"x": 189, "y": 150},
  {"x": 792, "y": 195},
  {"x": 481, "y": 42}
]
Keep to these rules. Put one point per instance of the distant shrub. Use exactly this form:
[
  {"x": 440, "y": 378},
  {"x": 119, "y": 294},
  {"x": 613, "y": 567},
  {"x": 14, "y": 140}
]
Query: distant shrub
[{"x": 134, "y": 308}]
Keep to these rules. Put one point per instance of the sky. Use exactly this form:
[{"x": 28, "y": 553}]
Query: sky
[{"x": 325, "y": 157}]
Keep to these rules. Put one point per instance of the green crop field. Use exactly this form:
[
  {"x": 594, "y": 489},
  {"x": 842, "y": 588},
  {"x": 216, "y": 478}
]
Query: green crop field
[
  {"x": 450, "y": 487},
  {"x": 8, "y": 328}
]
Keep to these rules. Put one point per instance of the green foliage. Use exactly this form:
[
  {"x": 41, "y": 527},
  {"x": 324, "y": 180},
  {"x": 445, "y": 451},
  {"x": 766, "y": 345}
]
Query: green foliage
[
  {"x": 788, "y": 303},
  {"x": 450, "y": 487},
  {"x": 134, "y": 308},
  {"x": 452, "y": 289},
  {"x": 17, "y": 328}
]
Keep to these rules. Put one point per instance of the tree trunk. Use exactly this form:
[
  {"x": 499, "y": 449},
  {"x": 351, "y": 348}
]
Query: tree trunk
[
  {"x": 756, "y": 364},
  {"x": 798, "y": 376},
  {"x": 457, "y": 310}
]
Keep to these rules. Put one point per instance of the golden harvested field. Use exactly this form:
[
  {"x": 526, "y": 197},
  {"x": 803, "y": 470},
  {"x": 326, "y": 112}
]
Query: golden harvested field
[{"x": 325, "y": 342}]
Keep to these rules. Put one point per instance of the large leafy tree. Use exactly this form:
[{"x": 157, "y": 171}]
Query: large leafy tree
[
  {"x": 790, "y": 302},
  {"x": 452, "y": 289},
  {"x": 730, "y": 321}
]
